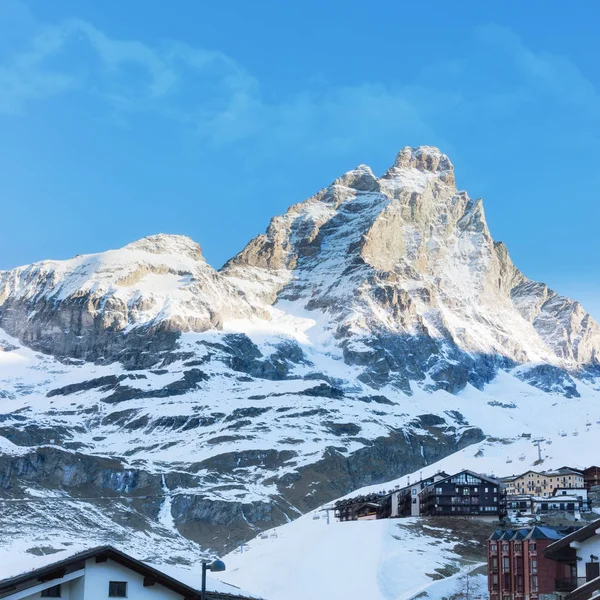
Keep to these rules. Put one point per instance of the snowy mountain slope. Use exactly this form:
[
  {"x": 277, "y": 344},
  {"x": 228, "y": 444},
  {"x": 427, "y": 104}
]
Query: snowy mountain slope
[
  {"x": 244, "y": 453},
  {"x": 92, "y": 306},
  {"x": 374, "y": 330},
  {"x": 380, "y": 560},
  {"x": 406, "y": 264},
  {"x": 398, "y": 559}
]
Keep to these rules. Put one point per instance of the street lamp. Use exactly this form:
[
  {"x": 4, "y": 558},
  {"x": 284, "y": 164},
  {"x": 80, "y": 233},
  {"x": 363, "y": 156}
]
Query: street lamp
[{"x": 215, "y": 566}]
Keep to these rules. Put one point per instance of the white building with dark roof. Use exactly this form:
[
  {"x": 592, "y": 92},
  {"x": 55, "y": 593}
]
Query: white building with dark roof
[{"x": 105, "y": 572}]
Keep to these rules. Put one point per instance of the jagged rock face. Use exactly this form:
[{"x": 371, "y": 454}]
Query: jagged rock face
[
  {"x": 402, "y": 268},
  {"x": 119, "y": 305},
  {"x": 408, "y": 257}
]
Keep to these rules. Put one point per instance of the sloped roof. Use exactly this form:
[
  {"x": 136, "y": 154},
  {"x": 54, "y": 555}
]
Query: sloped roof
[
  {"x": 544, "y": 533},
  {"x": 580, "y": 535},
  {"x": 468, "y": 472},
  {"x": 58, "y": 569},
  {"x": 536, "y": 532}
]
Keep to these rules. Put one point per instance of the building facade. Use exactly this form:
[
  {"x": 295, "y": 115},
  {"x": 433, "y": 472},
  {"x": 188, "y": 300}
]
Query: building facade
[
  {"x": 406, "y": 502},
  {"x": 364, "y": 507},
  {"x": 591, "y": 477},
  {"x": 580, "y": 549},
  {"x": 517, "y": 566},
  {"x": 464, "y": 494},
  {"x": 544, "y": 483}
]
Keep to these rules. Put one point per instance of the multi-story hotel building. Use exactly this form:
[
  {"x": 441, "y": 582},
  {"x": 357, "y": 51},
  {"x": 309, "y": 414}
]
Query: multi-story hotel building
[
  {"x": 517, "y": 567},
  {"x": 544, "y": 483}
]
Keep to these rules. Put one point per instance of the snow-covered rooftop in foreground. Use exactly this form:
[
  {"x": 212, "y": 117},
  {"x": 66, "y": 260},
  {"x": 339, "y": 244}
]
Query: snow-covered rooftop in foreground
[{"x": 15, "y": 561}]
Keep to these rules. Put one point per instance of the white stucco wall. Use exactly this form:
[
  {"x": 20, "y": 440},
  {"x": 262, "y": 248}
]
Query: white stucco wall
[
  {"x": 591, "y": 546},
  {"x": 98, "y": 575},
  {"x": 93, "y": 585}
]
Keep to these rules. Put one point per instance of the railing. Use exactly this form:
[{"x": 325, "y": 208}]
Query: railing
[{"x": 569, "y": 584}]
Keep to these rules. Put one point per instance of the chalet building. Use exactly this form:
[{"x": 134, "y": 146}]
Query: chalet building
[
  {"x": 105, "y": 572},
  {"x": 591, "y": 477},
  {"x": 406, "y": 502},
  {"x": 362, "y": 508},
  {"x": 517, "y": 566},
  {"x": 464, "y": 494},
  {"x": 579, "y": 554},
  {"x": 543, "y": 483},
  {"x": 563, "y": 504}
]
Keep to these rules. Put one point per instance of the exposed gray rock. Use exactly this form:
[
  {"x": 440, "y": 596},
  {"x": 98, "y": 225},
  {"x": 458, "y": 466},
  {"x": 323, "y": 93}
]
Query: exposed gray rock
[{"x": 550, "y": 379}]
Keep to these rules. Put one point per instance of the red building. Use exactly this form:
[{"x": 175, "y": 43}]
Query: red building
[
  {"x": 591, "y": 477},
  {"x": 517, "y": 567}
]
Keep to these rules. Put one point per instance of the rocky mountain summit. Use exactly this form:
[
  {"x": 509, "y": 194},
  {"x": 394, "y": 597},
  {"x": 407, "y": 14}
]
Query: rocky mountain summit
[
  {"x": 412, "y": 283},
  {"x": 371, "y": 330}
]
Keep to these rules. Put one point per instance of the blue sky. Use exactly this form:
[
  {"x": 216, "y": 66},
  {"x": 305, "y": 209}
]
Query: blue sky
[{"x": 123, "y": 119}]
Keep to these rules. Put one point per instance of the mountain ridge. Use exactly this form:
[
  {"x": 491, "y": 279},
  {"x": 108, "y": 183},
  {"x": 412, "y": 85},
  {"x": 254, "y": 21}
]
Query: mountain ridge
[
  {"x": 381, "y": 250},
  {"x": 372, "y": 330}
]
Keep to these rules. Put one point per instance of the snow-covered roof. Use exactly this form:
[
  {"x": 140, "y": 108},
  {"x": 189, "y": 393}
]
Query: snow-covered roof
[{"x": 181, "y": 581}]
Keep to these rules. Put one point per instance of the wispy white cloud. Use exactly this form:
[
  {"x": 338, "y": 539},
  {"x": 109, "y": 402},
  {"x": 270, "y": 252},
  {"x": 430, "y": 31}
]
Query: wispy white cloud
[
  {"x": 209, "y": 93},
  {"x": 541, "y": 73}
]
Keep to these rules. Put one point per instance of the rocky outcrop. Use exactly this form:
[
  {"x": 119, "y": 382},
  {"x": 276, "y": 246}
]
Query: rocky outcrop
[
  {"x": 129, "y": 305},
  {"x": 406, "y": 264}
]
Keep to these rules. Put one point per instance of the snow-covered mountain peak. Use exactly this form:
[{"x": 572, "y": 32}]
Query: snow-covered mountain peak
[
  {"x": 96, "y": 305},
  {"x": 162, "y": 243},
  {"x": 425, "y": 159},
  {"x": 406, "y": 255},
  {"x": 400, "y": 271}
]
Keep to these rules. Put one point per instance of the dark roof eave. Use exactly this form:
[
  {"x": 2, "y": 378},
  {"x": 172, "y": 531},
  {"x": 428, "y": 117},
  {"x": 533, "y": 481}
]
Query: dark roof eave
[
  {"x": 112, "y": 553},
  {"x": 576, "y": 536}
]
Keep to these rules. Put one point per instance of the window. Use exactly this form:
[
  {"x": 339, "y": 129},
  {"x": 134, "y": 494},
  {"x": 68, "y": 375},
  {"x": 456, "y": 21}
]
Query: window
[
  {"x": 494, "y": 582},
  {"x": 532, "y": 547},
  {"x": 414, "y": 492},
  {"x": 534, "y": 583},
  {"x": 505, "y": 548},
  {"x": 438, "y": 491},
  {"x": 51, "y": 592},
  {"x": 117, "y": 589},
  {"x": 493, "y": 547},
  {"x": 519, "y": 583},
  {"x": 487, "y": 490},
  {"x": 534, "y": 566},
  {"x": 505, "y": 563},
  {"x": 414, "y": 500}
]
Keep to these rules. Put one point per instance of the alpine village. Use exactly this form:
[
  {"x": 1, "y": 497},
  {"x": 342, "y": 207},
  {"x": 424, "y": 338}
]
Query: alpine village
[{"x": 527, "y": 557}]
